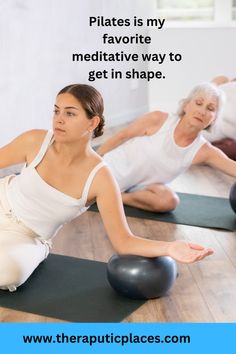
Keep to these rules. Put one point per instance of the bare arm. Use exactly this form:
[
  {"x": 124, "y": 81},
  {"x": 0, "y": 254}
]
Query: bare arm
[
  {"x": 123, "y": 240},
  {"x": 215, "y": 158},
  {"x": 17, "y": 151},
  {"x": 145, "y": 125}
]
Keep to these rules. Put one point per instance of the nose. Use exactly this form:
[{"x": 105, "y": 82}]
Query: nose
[
  {"x": 60, "y": 118},
  {"x": 202, "y": 110}
]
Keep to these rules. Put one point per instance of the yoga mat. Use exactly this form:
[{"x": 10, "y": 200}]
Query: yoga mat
[
  {"x": 194, "y": 210},
  {"x": 70, "y": 289}
]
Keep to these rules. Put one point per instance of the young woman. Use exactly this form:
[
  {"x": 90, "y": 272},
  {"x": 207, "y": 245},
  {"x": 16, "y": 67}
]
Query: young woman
[
  {"x": 62, "y": 176},
  {"x": 153, "y": 150}
]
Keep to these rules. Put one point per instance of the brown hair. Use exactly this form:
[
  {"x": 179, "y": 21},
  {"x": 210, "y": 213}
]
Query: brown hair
[{"x": 91, "y": 101}]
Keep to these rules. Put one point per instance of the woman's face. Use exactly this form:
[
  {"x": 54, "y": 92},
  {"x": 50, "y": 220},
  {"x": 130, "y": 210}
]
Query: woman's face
[
  {"x": 201, "y": 110},
  {"x": 70, "y": 121}
]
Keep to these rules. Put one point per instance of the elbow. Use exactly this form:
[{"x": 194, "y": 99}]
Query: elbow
[{"x": 123, "y": 136}]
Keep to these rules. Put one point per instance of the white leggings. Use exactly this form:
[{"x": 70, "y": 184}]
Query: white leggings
[{"x": 21, "y": 250}]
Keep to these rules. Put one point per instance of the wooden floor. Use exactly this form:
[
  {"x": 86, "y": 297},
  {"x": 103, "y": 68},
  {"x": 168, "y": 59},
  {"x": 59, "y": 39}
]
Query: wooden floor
[{"x": 203, "y": 292}]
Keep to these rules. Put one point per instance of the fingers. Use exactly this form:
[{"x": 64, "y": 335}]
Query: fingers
[
  {"x": 187, "y": 252},
  {"x": 221, "y": 79},
  {"x": 195, "y": 246},
  {"x": 210, "y": 251},
  {"x": 197, "y": 255},
  {"x": 205, "y": 253}
]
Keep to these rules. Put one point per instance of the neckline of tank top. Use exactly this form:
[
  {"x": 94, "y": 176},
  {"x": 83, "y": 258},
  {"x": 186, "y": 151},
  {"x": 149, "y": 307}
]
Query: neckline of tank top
[
  {"x": 64, "y": 195},
  {"x": 171, "y": 123},
  {"x": 173, "y": 138},
  {"x": 69, "y": 197}
]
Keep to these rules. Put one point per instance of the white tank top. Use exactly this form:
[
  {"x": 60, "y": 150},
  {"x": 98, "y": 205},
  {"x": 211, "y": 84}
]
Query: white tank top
[
  {"x": 152, "y": 159},
  {"x": 38, "y": 205}
]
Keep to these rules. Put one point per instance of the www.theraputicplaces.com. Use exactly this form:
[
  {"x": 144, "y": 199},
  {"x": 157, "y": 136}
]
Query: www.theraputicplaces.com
[{"x": 111, "y": 338}]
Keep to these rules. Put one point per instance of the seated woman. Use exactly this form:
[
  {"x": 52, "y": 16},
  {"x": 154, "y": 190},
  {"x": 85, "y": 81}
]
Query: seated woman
[
  {"x": 153, "y": 150},
  {"x": 61, "y": 178}
]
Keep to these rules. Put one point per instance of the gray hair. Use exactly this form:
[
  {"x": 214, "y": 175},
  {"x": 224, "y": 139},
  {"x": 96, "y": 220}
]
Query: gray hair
[{"x": 205, "y": 88}]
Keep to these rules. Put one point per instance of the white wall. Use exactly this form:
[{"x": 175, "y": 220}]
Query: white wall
[
  {"x": 37, "y": 38},
  {"x": 207, "y": 52}
]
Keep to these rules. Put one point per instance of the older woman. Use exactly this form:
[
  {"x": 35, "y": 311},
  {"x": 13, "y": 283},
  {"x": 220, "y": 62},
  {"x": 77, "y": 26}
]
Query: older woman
[
  {"x": 62, "y": 176},
  {"x": 153, "y": 150}
]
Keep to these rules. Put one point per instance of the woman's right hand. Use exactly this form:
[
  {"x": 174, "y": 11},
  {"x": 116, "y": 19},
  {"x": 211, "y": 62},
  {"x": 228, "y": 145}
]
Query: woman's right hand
[
  {"x": 109, "y": 202},
  {"x": 187, "y": 252}
]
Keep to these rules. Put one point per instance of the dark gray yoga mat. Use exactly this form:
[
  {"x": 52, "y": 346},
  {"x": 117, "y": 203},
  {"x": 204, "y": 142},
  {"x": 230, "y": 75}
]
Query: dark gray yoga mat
[
  {"x": 194, "y": 210},
  {"x": 70, "y": 289}
]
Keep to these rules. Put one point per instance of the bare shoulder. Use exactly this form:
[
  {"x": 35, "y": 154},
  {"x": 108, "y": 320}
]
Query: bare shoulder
[
  {"x": 147, "y": 124},
  {"x": 18, "y": 150},
  {"x": 156, "y": 119},
  {"x": 104, "y": 175},
  {"x": 156, "y": 116},
  {"x": 34, "y": 136},
  {"x": 33, "y": 140},
  {"x": 205, "y": 154},
  {"x": 159, "y": 114},
  {"x": 104, "y": 181}
]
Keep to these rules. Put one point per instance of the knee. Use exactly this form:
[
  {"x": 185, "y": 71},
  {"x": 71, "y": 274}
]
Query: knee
[
  {"x": 10, "y": 272},
  {"x": 164, "y": 199},
  {"x": 172, "y": 202},
  {"x": 169, "y": 202}
]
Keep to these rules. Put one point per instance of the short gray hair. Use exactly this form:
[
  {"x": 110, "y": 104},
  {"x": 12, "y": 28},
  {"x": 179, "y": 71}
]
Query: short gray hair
[{"x": 204, "y": 88}]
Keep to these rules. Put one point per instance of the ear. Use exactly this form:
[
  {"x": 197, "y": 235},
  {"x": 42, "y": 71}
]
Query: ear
[
  {"x": 185, "y": 103},
  {"x": 211, "y": 124},
  {"x": 94, "y": 122}
]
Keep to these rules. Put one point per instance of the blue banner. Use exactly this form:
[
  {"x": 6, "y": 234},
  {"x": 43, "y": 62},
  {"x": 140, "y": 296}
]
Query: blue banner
[{"x": 117, "y": 338}]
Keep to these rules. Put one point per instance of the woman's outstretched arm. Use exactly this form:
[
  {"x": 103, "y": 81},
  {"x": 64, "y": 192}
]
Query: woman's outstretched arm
[
  {"x": 123, "y": 240},
  {"x": 146, "y": 125},
  {"x": 214, "y": 157}
]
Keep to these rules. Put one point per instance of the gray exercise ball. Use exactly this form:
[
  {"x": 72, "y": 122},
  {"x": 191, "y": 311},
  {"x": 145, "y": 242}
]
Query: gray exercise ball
[
  {"x": 232, "y": 197},
  {"x": 140, "y": 277}
]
